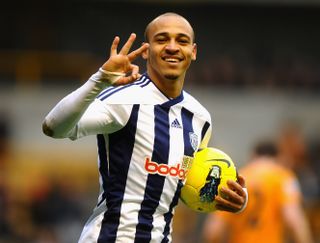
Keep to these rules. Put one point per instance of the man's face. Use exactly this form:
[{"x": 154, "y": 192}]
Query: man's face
[{"x": 171, "y": 47}]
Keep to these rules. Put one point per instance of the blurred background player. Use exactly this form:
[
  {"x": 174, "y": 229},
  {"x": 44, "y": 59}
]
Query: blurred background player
[
  {"x": 274, "y": 212},
  {"x": 295, "y": 153}
]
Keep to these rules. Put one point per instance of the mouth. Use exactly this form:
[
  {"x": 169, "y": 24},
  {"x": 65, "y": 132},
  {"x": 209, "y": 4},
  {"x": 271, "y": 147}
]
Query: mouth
[{"x": 171, "y": 59}]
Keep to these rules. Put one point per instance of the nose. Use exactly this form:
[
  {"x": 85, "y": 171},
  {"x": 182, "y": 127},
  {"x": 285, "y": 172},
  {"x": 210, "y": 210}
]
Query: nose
[{"x": 172, "y": 46}]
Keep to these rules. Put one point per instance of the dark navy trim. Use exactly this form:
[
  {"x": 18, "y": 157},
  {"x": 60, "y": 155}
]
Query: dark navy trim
[
  {"x": 174, "y": 101},
  {"x": 121, "y": 145},
  {"x": 109, "y": 89},
  {"x": 143, "y": 81},
  {"x": 146, "y": 83},
  {"x": 204, "y": 130},
  {"x": 187, "y": 117},
  {"x": 103, "y": 165},
  {"x": 169, "y": 215},
  {"x": 155, "y": 182}
]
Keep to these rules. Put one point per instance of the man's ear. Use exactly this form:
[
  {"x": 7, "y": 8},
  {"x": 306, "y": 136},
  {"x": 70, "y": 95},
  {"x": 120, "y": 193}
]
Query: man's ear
[
  {"x": 194, "y": 52},
  {"x": 145, "y": 54}
]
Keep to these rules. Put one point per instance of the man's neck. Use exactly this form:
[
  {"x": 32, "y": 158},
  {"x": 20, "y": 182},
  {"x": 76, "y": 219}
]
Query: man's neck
[{"x": 172, "y": 88}]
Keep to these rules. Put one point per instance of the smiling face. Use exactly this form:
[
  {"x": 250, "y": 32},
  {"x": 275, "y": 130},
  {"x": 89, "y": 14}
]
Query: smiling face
[{"x": 171, "y": 49}]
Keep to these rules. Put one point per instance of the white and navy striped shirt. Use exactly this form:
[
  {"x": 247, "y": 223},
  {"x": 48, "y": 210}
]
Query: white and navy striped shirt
[{"x": 143, "y": 154}]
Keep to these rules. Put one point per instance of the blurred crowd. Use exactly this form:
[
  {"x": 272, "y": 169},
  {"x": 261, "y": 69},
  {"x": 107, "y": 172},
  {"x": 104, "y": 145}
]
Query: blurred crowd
[
  {"x": 240, "y": 45},
  {"x": 42, "y": 199},
  {"x": 246, "y": 70},
  {"x": 241, "y": 70}
]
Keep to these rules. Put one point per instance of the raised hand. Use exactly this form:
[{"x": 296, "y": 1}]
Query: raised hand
[{"x": 122, "y": 62}]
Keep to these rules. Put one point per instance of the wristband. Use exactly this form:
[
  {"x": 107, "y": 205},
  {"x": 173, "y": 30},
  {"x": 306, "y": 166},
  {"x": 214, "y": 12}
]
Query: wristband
[
  {"x": 111, "y": 77},
  {"x": 246, "y": 202}
]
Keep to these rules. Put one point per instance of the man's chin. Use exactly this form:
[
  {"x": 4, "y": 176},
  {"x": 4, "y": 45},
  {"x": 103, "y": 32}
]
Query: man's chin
[{"x": 171, "y": 76}]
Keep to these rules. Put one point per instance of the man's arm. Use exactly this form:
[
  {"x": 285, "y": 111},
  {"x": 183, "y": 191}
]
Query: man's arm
[
  {"x": 62, "y": 119},
  {"x": 215, "y": 229},
  {"x": 292, "y": 209},
  {"x": 297, "y": 224}
]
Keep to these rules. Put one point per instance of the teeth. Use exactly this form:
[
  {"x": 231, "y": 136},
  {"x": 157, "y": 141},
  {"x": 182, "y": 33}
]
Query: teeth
[{"x": 171, "y": 60}]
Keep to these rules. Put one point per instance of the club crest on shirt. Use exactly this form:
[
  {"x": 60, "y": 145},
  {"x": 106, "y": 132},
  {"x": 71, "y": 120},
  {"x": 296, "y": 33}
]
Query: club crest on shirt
[{"x": 193, "y": 140}]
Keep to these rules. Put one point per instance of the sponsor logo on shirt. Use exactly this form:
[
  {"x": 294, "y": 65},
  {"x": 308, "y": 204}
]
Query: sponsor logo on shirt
[
  {"x": 176, "y": 124},
  {"x": 176, "y": 170}
]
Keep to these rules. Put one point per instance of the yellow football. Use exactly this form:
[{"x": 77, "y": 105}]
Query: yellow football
[{"x": 210, "y": 169}]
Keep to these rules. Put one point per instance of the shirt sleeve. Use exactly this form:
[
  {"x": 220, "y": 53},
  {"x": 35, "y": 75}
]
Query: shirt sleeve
[
  {"x": 101, "y": 118},
  {"x": 80, "y": 113}
]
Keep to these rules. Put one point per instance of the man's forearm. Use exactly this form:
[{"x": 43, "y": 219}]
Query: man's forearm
[{"x": 65, "y": 115}]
